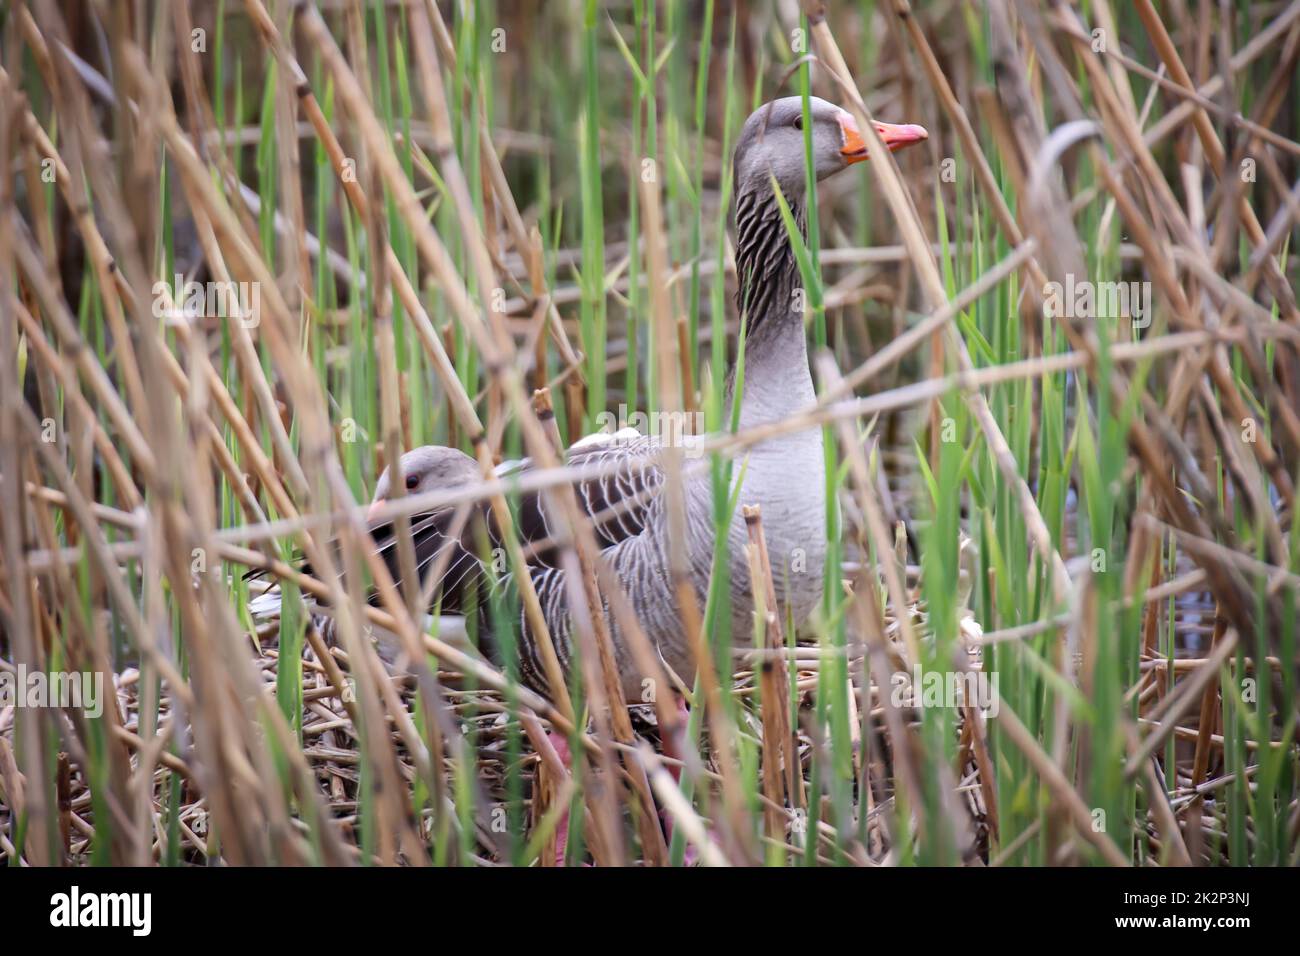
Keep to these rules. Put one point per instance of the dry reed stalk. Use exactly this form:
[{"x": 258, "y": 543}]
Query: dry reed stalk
[
  {"x": 890, "y": 182},
  {"x": 778, "y": 740},
  {"x": 121, "y": 517},
  {"x": 666, "y": 341}
]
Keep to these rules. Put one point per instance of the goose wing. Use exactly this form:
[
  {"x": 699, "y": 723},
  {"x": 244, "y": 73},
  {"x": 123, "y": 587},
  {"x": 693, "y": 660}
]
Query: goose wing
[{"x": 617, "y": 501}]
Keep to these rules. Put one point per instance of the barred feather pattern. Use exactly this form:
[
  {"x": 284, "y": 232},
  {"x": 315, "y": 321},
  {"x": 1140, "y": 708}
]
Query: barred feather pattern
[{"x": 765, "y": 263}]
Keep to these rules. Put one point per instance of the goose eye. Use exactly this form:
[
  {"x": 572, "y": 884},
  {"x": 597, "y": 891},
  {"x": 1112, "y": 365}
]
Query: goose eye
[
  {"x": 412, "y": 481},
  {"x": 798, "y": 121}
]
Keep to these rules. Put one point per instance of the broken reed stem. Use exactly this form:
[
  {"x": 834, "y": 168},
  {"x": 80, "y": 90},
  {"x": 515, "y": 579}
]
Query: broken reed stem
[{"x": 778, "y": 741}]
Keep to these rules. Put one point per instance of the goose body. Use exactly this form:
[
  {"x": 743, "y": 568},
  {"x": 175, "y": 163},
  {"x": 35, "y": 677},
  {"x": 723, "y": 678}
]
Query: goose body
[{"x": 784, "y": 475}]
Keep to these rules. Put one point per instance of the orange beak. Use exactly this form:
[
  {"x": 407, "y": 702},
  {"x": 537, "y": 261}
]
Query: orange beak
[
  {"x": 894, "y": 136},
  {"x": 374, "y": 509}
]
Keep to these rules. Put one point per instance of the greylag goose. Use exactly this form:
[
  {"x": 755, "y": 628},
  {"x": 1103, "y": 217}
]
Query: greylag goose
[{"x": 784, "y": 475}]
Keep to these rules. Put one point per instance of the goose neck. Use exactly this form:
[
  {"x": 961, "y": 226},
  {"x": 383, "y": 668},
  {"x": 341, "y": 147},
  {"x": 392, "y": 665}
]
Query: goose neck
[{"x": 771, "y": 304}]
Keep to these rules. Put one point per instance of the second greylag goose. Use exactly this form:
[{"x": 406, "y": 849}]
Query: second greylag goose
[{"x": 785, "y": 475}]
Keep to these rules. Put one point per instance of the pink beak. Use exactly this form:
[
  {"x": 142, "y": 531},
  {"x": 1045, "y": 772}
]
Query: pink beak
[{"x": 374, "y": 508}]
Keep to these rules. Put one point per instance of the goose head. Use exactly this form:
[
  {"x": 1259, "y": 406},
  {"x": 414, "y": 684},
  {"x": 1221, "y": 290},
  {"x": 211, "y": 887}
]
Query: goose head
[
  {"x": 424, "y": 469},
  {"x": 772, "y": 142}
]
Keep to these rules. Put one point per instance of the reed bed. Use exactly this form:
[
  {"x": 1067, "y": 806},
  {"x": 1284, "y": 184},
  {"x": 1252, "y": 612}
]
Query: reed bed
[{"x": 1081, "y": 512}]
